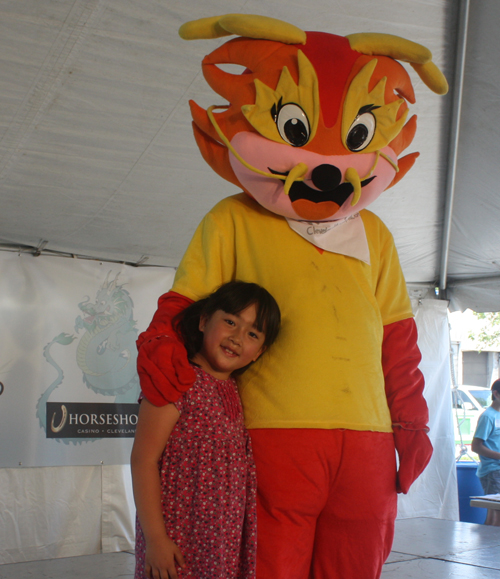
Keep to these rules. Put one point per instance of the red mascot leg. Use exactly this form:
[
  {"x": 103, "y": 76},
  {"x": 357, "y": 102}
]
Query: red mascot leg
[
  {"x": 355, "y": 531},
  {"x": 326, "y": 503}
]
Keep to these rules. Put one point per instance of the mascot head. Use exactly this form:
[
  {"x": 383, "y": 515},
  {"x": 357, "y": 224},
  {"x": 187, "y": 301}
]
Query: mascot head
[{"x": 316, "y": 122}]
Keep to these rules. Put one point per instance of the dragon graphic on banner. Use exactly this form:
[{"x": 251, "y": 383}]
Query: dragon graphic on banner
[{"x": 106, "y": 355}]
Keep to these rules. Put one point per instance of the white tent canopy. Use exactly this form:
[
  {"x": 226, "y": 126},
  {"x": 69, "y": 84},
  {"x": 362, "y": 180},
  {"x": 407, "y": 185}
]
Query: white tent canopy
[{"x": 97, "y": 157}]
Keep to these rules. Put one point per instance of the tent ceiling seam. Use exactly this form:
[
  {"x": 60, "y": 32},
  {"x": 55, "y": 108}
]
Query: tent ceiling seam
[
  {"x": 471, "y": 281},
  {"x": 64, "y": 50},
  {"x": 40, "y": 250}
]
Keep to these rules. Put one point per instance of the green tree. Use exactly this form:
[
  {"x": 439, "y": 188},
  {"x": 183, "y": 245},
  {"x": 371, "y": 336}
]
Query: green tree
[{"x": 488, "y": 334}]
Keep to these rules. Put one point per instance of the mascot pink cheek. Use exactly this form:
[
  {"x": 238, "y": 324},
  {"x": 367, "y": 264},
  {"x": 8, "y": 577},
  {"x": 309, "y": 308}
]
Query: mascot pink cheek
[{"x": 271, "y": 157}]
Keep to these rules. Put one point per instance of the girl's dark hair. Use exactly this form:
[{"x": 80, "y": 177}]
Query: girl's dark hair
[{"x": 232, "y": 297}]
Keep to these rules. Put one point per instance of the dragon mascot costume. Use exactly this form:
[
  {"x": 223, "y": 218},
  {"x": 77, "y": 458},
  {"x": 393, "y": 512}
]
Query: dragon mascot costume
[{"x": 313, "y": 134}]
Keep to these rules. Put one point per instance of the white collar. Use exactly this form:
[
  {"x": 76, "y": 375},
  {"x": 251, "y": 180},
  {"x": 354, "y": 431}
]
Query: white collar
[{"x": 346, "y": 236}]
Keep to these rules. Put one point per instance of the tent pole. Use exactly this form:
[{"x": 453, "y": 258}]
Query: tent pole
[{"x": 454, "y": 135}]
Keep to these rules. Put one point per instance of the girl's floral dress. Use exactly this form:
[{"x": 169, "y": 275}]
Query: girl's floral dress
[{"x": 209, "y": 485}]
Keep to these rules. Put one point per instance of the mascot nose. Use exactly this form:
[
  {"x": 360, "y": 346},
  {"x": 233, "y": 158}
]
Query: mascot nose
[{"x": 326, "y": 177}]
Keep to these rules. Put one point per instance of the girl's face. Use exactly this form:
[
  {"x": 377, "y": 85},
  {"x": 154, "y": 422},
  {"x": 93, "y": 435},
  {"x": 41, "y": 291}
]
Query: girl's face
[{"x": 230, "y": 342}]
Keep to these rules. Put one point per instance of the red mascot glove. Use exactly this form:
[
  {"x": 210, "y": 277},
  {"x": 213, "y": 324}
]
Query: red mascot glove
[
  {"x": 162, "y": 363},
  {"x": 414, "y": 451},
  {"x": 404, "y": 386}
]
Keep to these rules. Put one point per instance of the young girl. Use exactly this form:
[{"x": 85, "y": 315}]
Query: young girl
[{"x": 192, "y": 468}]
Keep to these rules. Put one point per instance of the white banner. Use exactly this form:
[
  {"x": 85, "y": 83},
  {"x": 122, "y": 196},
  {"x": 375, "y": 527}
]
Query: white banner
[
  {"x": 435, "y": 493},
  {"x": 68, "y": 380}
]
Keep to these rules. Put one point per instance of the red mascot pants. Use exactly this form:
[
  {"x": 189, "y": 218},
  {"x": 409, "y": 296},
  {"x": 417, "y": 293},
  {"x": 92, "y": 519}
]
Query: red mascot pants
[{"x": 326, "y": 503}]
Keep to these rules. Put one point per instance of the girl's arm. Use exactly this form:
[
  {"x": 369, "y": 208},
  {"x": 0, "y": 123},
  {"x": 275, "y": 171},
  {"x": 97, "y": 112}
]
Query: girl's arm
[{"x": 153, "y": 430}]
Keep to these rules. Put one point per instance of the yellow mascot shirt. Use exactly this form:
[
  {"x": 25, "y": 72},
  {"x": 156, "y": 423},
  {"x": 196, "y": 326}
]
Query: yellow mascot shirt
[{"x": 324, "y": 370}]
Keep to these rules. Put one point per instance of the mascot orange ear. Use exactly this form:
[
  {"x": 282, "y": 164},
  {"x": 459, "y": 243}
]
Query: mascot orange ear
[
  {"x": 215, "y": 154},
  {"x": 404, "y": 164}
]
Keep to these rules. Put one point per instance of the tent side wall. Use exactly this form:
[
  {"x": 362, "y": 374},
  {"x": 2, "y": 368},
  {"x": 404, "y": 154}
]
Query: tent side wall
[{"x": 65, "y": 511}]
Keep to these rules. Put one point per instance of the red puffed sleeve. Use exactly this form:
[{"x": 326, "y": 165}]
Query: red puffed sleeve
[{"x": 162, "y": 362}]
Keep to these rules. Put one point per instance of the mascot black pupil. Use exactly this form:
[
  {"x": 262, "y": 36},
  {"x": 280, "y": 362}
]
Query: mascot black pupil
[
  {"x": 296, "y": 132},
  {"x": 357, "y": 137}
]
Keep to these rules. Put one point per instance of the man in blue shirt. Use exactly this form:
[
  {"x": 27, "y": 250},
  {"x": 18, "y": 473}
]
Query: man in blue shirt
[{"x": 486, "y": 443}]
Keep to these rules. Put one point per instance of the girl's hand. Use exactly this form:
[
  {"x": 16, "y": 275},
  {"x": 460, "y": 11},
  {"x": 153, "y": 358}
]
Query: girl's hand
[{"x": 161, "y": 558}]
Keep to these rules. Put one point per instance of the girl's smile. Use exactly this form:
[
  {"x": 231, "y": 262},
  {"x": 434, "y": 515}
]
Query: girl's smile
[{"x": 230, "y": 342}]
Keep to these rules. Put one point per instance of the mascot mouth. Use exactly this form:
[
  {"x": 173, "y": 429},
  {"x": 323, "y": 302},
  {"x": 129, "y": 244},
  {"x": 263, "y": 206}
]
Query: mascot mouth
[{"x": 329, "y": 189}]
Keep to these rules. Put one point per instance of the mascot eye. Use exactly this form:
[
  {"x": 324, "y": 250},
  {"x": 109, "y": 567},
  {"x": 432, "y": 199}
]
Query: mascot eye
[
  {"x": 361, "y": 132},
  {"x": 293, "y": 125}
]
